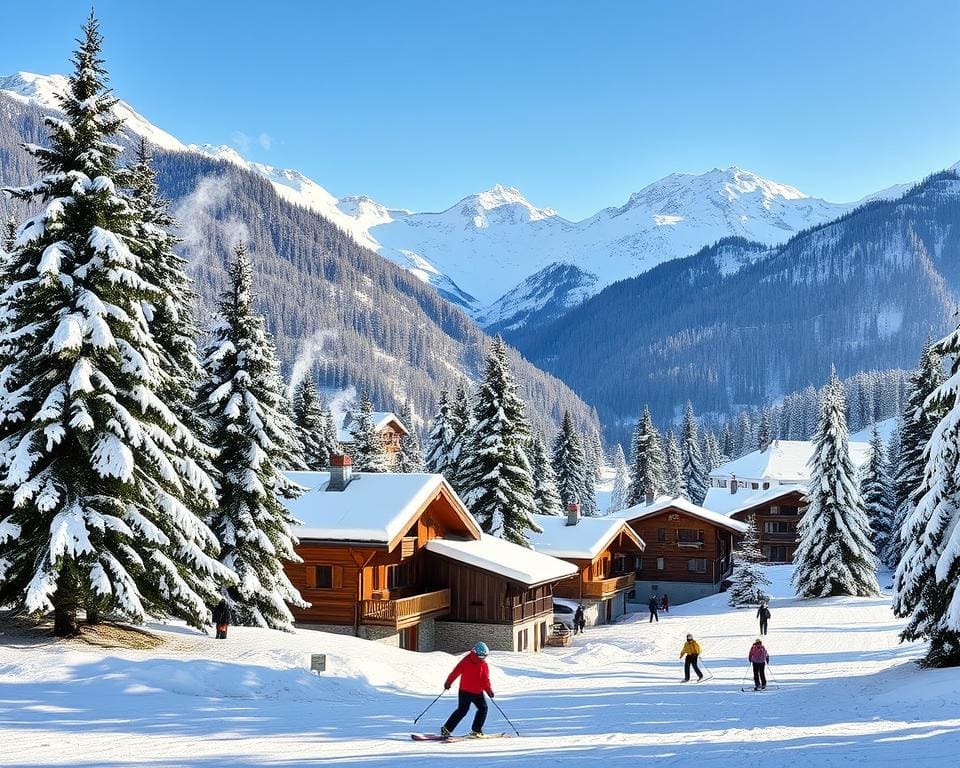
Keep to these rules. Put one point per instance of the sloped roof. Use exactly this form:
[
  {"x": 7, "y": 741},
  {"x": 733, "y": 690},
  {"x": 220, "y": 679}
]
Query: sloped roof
[
  {"x": 786, "y": 461},
  {"x": 374, "y": 507},
  {"x": 721, "y": 501},
  {"x": 583, "y": 541},
  {"x": 641, "y": 511},
  {"x": 504, "y": 558},
  {"x": 380, "y": 420}
]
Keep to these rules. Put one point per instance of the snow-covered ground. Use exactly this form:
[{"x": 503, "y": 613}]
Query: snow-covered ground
[{"x": 849, "y": 695}]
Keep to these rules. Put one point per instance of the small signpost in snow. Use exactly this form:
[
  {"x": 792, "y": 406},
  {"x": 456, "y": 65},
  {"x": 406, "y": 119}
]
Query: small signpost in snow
[{"x": 318, "y": 663}]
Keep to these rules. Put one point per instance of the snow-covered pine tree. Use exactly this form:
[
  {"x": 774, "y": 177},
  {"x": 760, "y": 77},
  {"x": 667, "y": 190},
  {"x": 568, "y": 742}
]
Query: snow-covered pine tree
[
  {"x": 461, "y": 419},
  {"x": 835, "y": 555},
  {"x": 766, "y": 433},
  {"x": 243, "y": 399},
  {"x": 569, "y": 466},
  {"x": 877, "y": 497},
  {"x": 647, "y": 466},
  {"x": 546, "y": 498},
  {"x": 712, "y": 457},
  {"x": 916, "y": 429},
  {"x": 308, "y": 416},
  {"x": 596, "y": 458},
  {"x": 330, "y": 431},
  {"x": 410, "y": 457},
  {"x": 925, "y": 587},
  {"x": 9, "y": 234},
  {"x": 676, "y": 483},
  {"x": 442, "y": 441},
  {"x": 97, "y": 463},
  {"x": 369, "y": 453},
  {"x": 746, "y": 439},
  {"x": 728, "y": 443},
  {"x": 621, "y": 481},
  {"x": 498, "y": 484},
  {"x": 748, "y": 575},
  {"x": 695, "y": 472}
]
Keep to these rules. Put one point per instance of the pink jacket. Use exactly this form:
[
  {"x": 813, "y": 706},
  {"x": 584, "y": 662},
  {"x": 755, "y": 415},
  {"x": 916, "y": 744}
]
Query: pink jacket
[{"x": 758, "y": 654}]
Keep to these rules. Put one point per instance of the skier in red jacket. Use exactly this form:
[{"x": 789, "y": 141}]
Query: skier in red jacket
[{"x": 474, "y": 677}]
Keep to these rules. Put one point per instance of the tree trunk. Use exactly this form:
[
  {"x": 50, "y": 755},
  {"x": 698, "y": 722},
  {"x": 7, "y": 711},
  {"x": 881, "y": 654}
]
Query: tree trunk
[{"x": 65, "y": 603}]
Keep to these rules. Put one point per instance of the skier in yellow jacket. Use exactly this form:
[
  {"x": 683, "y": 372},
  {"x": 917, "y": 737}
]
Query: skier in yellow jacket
[{"x": 691, "y": 649}]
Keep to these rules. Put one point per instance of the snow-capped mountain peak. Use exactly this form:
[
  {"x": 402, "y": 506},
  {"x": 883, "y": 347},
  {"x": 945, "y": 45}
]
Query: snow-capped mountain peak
[{"x": 498, "y": 197}]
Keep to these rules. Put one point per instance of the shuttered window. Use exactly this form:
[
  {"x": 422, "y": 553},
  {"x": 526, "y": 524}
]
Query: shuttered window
[{"x": 325, "y": 577}]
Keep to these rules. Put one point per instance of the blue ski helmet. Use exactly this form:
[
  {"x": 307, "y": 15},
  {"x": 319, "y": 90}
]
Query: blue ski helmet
[{"x": 481, "y": 650}]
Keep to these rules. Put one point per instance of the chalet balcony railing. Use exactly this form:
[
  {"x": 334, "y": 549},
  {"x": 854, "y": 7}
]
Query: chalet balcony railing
[
  {"x": 690, "y": 544},
  {"x": 599, "y": 589},
  {"x": 779, "y": 536},
  {"x": 531, "y": 608},
  {"x": 405, "y": 611}
]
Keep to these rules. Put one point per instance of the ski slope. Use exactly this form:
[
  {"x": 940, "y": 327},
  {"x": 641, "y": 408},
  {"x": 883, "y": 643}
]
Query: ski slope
[{"x": 850, "y": 695}]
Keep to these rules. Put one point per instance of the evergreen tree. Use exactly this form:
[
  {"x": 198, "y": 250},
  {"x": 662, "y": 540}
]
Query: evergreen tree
[
  {"x": 695, "y": 473},
  {"x": 570, "y": 469},
  {"x": 461, "y": 419},
  {"x": 369, "y": 452},
  {"x": 546, "y": 498},
  {"x": 676, "y": 483},
  {"x": 621, "y": 481},
  {"x": 746, "y": 440},
  {"x": 498, "y": 484},
  {"x": 875, "y": 490},
  {"x": 711, "y": 453},
  {"x": 748, "y": 575},
  {"x": 647, "y": 470},
  {"x": 410, "y": 458},
  {"x": 835, "y": 555},
  {"x": 728, "y": 444},
  {"x": 9, "y": 235},
  {"x": 766, "y": 433},
  {"x": 916, "y": 428},
  {"x": 242, "y": 397},
  {"x": 929, "y": 571},
  {"x": 310, "y": 420},
  {"x": 442, "y": 445},
  {"x": 99, "y": 469}
]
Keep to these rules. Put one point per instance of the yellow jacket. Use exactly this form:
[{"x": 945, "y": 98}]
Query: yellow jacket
[{"x": 691, "y": 646}]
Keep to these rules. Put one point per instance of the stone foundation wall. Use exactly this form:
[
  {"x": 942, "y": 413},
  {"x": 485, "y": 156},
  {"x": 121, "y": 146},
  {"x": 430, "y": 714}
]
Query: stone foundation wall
[
  {"x": 460, "y": 637},
  {"x": 427, "y": 637},
  {"x": 679, "y": 591}
]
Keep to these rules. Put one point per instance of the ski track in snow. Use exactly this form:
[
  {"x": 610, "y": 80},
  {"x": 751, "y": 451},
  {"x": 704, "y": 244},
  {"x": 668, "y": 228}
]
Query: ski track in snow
[{"x": 849, "y": 695}]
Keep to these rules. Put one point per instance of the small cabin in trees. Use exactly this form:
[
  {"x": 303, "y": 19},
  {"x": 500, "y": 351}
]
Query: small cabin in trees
[
  {"x": 771, "y": 485},
  {"x": 604, "y": 551},
  {"x": 388, "y": 427},
  {"x": 688, "y": 550},
  {"x": 398, "y": 558}
]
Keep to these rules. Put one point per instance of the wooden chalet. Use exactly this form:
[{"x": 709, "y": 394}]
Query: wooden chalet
[
  {"x": 604, "y": 551},
  {"x": 387, "y": 426},
  {"x": 369, "y": 568},
  {"x": 688, "y": 548}
]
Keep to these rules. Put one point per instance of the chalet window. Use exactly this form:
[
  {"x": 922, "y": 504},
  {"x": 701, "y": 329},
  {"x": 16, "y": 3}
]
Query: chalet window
[
  {"x": 779, "y": 526},
  {"x": 661, "y": 535},
  {"x": 660, "y": 564},
  {"x": 523, "y": 639},
  {"x": 774, "y": 509},
  {"x": 777, "y": 554},
  {"x": 697, "y": 565},
  {"x": 689, "y": 535},
  {"x": 766, "y": 486},
  {"x": 324, "y": 577},
  {"x": 754, "y": 486},
  {"x": 620, "y": 563},
  {"x": 399, "y": 576},
  {"x": 721, "y": 483}
]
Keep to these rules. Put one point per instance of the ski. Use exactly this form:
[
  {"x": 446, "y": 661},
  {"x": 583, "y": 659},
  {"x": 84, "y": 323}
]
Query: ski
[{"x": 438, "y": 737}]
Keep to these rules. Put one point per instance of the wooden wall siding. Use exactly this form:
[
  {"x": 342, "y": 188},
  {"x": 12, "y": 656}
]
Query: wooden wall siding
[
  {"x": 329, "y": 606},
  {"x": 791, "y": 510},
  {"x": 715, "y": 548}
]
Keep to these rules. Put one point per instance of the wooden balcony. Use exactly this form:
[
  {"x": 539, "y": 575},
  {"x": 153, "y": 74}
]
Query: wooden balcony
[
  {"x": 601, "y": 589},
  {"x": 405, "y": 611}
]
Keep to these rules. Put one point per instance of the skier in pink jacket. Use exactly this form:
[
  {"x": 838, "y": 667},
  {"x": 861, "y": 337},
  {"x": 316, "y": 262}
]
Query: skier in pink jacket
[{"x": 759, "y": 657}]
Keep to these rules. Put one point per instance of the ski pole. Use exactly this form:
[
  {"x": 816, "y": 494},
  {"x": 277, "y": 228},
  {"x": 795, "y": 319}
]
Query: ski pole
[
  {"x": 746, "y": 674},
  {"x": 430, "y": 705},
  {"x": 505, "y": 717}
]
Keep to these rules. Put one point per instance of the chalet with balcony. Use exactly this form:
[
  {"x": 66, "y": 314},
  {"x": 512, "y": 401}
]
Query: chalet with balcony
[
  {"x": 771, "y": 486},
  {"x": 604, "y": 551},
  {"x": 370, "y": 567},
  {"x": 688, "y": 550},
  {"x": 387, "y": 426}
]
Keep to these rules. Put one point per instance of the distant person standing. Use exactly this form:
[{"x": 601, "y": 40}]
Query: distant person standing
[
  {"x": 665, "y": 603},
  {"x": 691, "y": 649},
  {"x": 579, "y": 622},
  {"x": 654, "y": 607},
  {"x": 759, "y": 657},
  {"x": 763, "y": 613},
  {"x": 221, "y": 619}
]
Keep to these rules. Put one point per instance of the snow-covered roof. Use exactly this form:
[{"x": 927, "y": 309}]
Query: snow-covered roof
[
  {"x": 583, "y": 541},
  {"x": 374, "y": 507},
  {"x": 786, "y": 461},
  {"x": 503, "y": 558},
  {"x": 380, "y": 421},
  {"x": 640, "y": 511},
  {"x": 723, "y": 502}
]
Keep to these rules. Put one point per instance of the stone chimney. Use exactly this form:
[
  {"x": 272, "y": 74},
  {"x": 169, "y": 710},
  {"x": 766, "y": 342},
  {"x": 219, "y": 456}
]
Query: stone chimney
[
  {"x": 648, "y": 496},
  {"x": 573, "y": 513},
  {"x": 733, "y": 483},
  {"x": 341, "y": 472}
]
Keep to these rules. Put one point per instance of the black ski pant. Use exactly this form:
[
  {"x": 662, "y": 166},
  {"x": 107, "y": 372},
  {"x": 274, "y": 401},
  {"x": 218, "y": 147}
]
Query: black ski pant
[
  {"x": 691, "y": 661},
  {"x": 763, "y": 626},
  {"x": 759, "y": 674},
  {"x": 653, "y": 615},
  {"x": 465, "y": 700}
]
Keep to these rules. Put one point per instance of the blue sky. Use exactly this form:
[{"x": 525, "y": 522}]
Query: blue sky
[{"x": 578, "y": 104}]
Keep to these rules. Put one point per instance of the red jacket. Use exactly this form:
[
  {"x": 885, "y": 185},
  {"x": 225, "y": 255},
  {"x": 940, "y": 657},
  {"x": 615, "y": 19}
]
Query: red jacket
[
  {"x": 474, "y": 675},
  {"x": 758, "y": 654}
]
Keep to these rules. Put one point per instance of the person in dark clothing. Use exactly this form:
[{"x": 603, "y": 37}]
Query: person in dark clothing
[
  {"x": 474, "y": 677},
  {"x": 759, "y": 657},
  {"x": 221, "y": 619},
  {"x": 665, "y": 603},
  {"x": 654, "y": 607},
  {"x": 763, "y": 613},
  {"x": 579, "y": 622}
]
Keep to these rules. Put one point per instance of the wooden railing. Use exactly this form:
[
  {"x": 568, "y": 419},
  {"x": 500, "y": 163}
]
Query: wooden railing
[
  {"x": 780, "y": 536},
  {"x": 602, "y": 588},
  {"x": 405, "y": 610}
]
